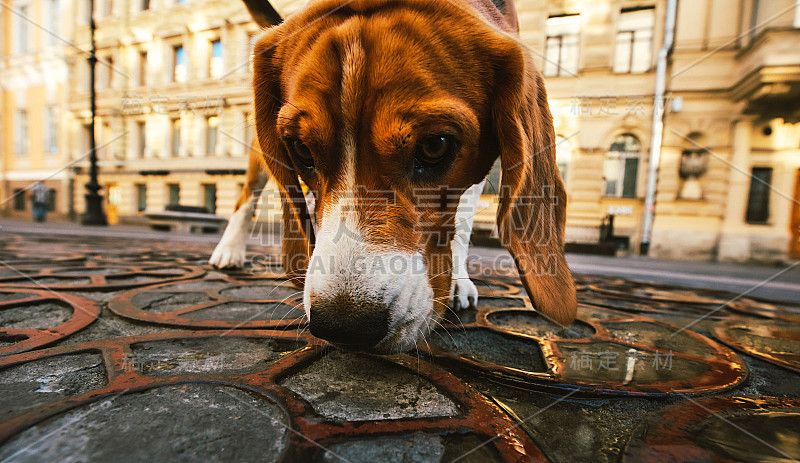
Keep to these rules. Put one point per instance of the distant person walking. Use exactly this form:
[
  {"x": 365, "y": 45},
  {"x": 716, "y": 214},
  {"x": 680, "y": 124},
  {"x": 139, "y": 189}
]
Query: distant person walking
[{"x": 39, "y": 198}]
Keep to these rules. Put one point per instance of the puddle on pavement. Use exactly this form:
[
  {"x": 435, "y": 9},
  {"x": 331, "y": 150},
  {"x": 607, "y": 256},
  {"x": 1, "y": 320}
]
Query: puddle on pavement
[
  {"x": 491, "y": 347},
  {"x": 662, "y": 337},
  {"x": 533, "y": 324},
  {"x": 774, "y": 341},
  {"x": 598, "y": 362}
]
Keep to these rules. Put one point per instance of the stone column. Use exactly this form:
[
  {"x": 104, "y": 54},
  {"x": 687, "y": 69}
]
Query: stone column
[
  {"x": 734, "y": 243},
  {"x": 797, "y": 13}
]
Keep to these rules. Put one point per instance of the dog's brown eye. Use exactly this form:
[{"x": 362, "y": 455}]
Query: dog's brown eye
[
  {"x": 300, "y": 151},
  {"x": 433, "y": 149}
]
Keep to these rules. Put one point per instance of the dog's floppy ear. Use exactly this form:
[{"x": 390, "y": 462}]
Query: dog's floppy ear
[
  {"x": 532, "y": 211},
  {"x": 298, "y": 231},
  {"x": 262, "y": 12}
]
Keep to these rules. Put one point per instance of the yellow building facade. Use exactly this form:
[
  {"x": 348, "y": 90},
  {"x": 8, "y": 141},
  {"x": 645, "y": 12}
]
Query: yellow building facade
[
  {"x": 730, "y": 157},
  {"x": 175, "y": 116},
  {"x": 174, "y": 101},
  {"x": 34, "y": 90}
]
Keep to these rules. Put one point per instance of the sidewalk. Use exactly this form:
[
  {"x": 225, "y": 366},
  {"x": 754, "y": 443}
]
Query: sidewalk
[{"x": 770, "y": 282}]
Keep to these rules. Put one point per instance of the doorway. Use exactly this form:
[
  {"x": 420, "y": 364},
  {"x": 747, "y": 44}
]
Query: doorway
[
  {"x": 114, "y": 195},
  {"x": 794, "y": 250}
]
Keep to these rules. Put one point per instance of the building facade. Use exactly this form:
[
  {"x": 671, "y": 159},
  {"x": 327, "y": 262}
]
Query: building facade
[
  {"x": 175, "y": 118},
  {"x": 34, "y": 91},
  {"x": 730, "y": 156},
  {"x": 174, "y": 98}
]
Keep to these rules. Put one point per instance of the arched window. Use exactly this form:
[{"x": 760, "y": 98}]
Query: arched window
[
  {"x": 563, "y": 156},
  {"x": 621, "y": 166}
]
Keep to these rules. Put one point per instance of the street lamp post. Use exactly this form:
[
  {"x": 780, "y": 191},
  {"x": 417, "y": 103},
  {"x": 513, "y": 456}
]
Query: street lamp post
[{"x": 94, "y": 203}]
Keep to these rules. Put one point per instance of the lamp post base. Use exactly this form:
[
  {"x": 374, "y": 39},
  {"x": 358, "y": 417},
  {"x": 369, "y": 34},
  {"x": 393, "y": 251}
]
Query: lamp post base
[{"x": 94, "y": 214}]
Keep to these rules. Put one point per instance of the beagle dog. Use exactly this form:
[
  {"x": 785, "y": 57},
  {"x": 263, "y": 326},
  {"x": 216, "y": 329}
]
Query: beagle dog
[{"x": 392, "y": 112}]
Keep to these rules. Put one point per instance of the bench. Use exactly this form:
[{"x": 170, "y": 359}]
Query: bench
[
  {"x": 185, "y": 219},
  {"x": 587, "y": 236}
]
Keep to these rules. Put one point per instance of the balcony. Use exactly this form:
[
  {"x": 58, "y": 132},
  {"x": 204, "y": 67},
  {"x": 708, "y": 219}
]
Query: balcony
[{"x": 768, "y": 75}]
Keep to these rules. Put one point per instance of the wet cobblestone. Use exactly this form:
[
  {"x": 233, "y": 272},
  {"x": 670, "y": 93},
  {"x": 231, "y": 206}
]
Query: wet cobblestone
[{"x": 148, "y": 353}]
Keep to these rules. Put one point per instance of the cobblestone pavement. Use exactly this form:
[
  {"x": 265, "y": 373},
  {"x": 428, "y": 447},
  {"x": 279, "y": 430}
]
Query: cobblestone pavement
[{"x": 117, "y": 349}]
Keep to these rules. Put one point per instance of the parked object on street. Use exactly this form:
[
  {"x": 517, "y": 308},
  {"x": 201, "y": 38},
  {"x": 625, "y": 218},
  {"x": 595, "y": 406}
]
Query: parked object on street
[{"x": 185, "y": 219}]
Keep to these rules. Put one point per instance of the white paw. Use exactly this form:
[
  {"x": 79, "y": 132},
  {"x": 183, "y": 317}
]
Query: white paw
[
  {"x": 227, "y": 256},
  {"x": 464, "y": 293}
]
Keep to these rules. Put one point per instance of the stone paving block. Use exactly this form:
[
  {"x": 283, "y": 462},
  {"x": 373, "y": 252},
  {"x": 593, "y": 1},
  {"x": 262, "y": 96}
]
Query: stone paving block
[
  {"x": 492, "y": 348},
  {"x": 419, "y": 448},
  {"x": 182, "y": 423},
  {"x": 38, "y": 317},
  {"x": 14, "y": 296},
  {"x": 472, "y": 428},
  {"x": 35, "y": 318},
  {"x": 526, "y": 322},
  {"x": 354, "y": 387},
  {"x": 27, "y": 386},
  {"x": 775, "y": 341},
  {"x": 248, "y": 311},
  {"x": 93, "y": 275},
  {"x": 209, "y": 355},
  {"x": 217, "y": 301}
]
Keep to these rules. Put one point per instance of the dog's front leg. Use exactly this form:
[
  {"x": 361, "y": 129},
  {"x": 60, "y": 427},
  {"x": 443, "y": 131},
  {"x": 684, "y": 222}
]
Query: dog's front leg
[
  {"x": 463, "y": 290},
  {"x": 232, "y": 247}
]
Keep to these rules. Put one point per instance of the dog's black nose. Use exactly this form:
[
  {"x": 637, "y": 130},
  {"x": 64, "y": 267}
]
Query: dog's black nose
[{"x": 347, "y": 321}]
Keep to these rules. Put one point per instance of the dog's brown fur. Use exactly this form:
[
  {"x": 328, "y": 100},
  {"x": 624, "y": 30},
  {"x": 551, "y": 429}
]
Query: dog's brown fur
[{"x": 444, "y": 66}]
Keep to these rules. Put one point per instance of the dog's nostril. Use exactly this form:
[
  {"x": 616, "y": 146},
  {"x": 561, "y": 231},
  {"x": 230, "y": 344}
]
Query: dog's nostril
[{"x": 343, "y": 320}]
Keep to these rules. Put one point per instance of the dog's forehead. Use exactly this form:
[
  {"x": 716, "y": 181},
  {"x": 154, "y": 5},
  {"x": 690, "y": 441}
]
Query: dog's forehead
[
  {"x": 353, "y": 81},
  {"x": 380, "y": 58}
]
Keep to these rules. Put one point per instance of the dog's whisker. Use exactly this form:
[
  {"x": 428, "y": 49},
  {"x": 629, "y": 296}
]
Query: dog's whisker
[
  {"x": 458, "y": 325},
  {"x": 463, "y": 329},
  {"x": 486, "y": 284},
  {"x": 447, "y": 331},
  {"x": 428, "y": 331},
  {"x": 292, "y": 309},
  {"x": 299, "y": 333},
  {"x": 282, "y": 301},
  {"x": 282, "y": 283}
]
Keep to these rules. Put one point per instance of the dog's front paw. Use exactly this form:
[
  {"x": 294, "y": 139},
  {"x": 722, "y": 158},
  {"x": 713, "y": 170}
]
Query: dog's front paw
[
  {"x": 464, "y": 293},
  {"x": 227, "y": 256}
]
